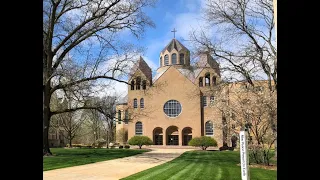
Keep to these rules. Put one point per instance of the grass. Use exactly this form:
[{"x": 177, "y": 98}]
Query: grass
[
  {"x": 203, "y": 165},
  {"x": 74, "y": 157}
]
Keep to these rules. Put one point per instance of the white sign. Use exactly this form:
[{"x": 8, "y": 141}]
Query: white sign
[{"x": 245, "y": 175}]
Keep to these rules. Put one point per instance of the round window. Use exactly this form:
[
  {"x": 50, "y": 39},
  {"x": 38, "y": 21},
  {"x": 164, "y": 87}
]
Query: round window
[{"x": 172, "y": 108}]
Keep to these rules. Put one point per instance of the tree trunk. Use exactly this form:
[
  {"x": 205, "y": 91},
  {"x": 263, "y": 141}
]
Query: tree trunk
[
  {"x": 140, "y": 146},
  {"x": 46, "y": 120},
  {"x": 70, "y": 144}
]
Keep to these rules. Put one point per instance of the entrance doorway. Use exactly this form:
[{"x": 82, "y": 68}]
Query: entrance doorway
[
  {"x": 172, "y": 135},
  {"x": 187, "y": 136},
  {"x": 158, "y": 136}
]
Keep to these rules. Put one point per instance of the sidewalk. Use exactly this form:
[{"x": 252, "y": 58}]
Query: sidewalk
[{"x": 115, "y": 169}]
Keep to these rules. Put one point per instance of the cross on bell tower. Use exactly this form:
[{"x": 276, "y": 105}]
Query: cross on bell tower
[{"x": 174, "y": 32}]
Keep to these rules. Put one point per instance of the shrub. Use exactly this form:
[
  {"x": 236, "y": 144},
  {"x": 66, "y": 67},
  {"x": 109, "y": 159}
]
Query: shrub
[
  {"x": 127, "y": 146},
  {"x": 112, "y": 147},
  {"x": 204, "y": 142},
  {"x": 120, "y": 147},
  {"x": 259, "y": 154},
  {"x": 140, "y": 141},
  {"x": 223, "y": 148}
]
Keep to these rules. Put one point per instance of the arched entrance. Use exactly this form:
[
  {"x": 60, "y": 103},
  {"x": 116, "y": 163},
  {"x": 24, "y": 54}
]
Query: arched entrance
[
  {"x": 172, "y": 135},
  {"x": 158, "y": 136},
  {"x": 186, "y": 135}
]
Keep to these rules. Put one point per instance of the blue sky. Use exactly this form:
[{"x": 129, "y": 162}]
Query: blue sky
[{"x": 183, "y": 15}]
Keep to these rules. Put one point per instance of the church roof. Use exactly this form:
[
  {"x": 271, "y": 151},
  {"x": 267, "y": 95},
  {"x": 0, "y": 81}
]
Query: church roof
[
  {"x": 156, "y": 77},
  {"x": 143, "y": 66},
  {"x": 206, "y": 60},
  {"x": 174, "y": 44}
]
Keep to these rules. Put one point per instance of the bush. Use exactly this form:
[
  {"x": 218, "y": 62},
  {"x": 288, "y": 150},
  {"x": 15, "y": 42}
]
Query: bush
[
  {"x": 204, "y": 142},
  {"x": 120, "y": 147},
  {"x": 140, "y": 141},
  {"x": 223, "y": 148},
  {"x": 259, "y": 154},
  {"x": 127, "y": 146},
  {"x": 112, "y": 147}
]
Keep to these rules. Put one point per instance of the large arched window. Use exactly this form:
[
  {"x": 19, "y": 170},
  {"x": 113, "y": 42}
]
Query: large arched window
[
  {"x": 135, "y": 103},
  {"x": 200, "y": 82},
  {"x": 181, "y": 58},
  {"x": 126, "y": 117},
  {"x": 209, "y": 128},
  {"x": 207, "y": 79},
  {"x": 119, "y": 117},
  {"x": 166, "y": 60},
  {"x": 144, "y": 84},
  {"x": 138, "y": 83},
  {"x": 139, "y": 128},
  {"x": 172, "y": 108},
  {"x": 161, "y": 61},
  {"x": 174, "y": 58},
  {"x": 132, "y": 85},
  {"x": 214, "y": 80},
  {"x": 141, "y": 103}
]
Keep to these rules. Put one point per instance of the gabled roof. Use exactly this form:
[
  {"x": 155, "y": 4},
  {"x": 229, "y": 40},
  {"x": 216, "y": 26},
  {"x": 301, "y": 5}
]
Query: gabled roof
[
  {"x": 206, "y": 60},
  {"x": 143, "y": 66},
  {"x": 157, "y": 76},
  {"x": 174, "y": 44}
]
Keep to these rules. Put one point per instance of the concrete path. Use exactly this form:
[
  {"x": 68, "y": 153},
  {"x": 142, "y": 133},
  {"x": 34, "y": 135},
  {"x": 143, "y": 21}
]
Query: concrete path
[{"x": 115, "y": 169}]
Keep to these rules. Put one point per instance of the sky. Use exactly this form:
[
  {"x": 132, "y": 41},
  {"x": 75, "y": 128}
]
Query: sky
[{"x": 183, "y": 15}]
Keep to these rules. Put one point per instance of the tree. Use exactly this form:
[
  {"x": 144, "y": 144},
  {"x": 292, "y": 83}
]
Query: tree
[
  {"x": 140, "y": 141},
  {"x": 245, "y": 44},
  {"x": 122, "y": 135},
  {"x": 81, "y": 45},
  {"x": 204, "y": 142}
]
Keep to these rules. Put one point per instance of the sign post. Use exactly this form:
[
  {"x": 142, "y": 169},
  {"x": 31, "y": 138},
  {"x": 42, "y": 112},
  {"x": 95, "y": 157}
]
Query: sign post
[{"x": 244, "y": 156}]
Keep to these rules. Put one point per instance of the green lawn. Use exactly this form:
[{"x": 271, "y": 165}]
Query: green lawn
[
  {"x": 73, "y": 157},
  {"x": 203, "y": 165}
]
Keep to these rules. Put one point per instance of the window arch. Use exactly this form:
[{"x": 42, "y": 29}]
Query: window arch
[
  {"x": 209, "y": 128},
  {"x": 200, "y": 82},
  {"x": 161, "y": 61},
  {"x": 135, "y": 103},
  {"x": 119, "y": 117},
  {"x": 141, "y": 103},
  {"x": 181, "y": 58},
  {"x": 138, "y": 83},
  {"x": 174, "y": 58},
  {"x": 144, "y": 84},
  {"x": 207, "y": 79},
  {"x": 214, "y": 80},
  {"x": 139, "y": 128},
  {"x": 126, "y": 117},
  {"x": 132, "y": 85},
  {"x": 166, "y": 59}
]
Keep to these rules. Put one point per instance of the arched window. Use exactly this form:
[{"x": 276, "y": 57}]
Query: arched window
[
  {"x": 166, "y": 60},
  {"x": 174, "y": 58},
  {"x": 139, "y": 128},
  {"x": 161, "y": 61},
  {"x": 209, "y": 128},
  {"x": 141, "y": 103},
  {"x": 214, "y": 80},
  {"x": 119, "y": 117},
  {"x": 200, "y": 82},
  {"x": 207, "y": 79},
  {"x": 181, "y": 58},
  {"x": 138, "y": 83},
  {"x": 135, "y": 103},
  {"x": 144, "y": 84},
  {"x": 126, "y": 117},
  {"x": 132, "y": 85}
]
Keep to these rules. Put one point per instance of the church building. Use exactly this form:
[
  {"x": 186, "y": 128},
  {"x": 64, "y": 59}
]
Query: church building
[{"x": 173, "y": 106}]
